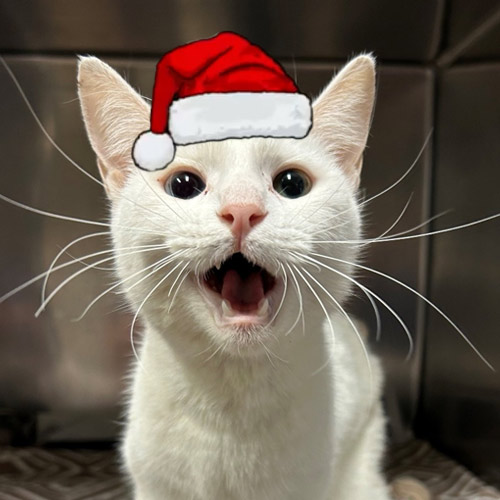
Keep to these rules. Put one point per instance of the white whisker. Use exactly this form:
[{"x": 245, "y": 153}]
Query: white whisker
[
  {"x": 301, "y": 305},
  {"x": 158, "y": 265},
  {"x": 52, "y": 214},
  {"x": 40, "y": 276},
  {"x": 61, "y": 252},
  {"x": 69, "y": 218},
  {"x": 81, "y": 271},
  {"x": 327, "y": 316},
  {"x": 419, "y": 226},
  {"x": 136, "y": 315},
  {"x": 397, "y": 182},
  {"x": 369, "y": 293},
  {"x": 419, "y": 295},
  {"x": 177, "y": 279},
  {"x": 40, "y": 125},
  {"x": 178, "y": 288},
  {"x": 351, "y": 323},
  {"x": 386, "y": 190},
  {"x": 412, "y": 236},
  {"x": 398, "y": 219},
  {"x": 51, "y": 140},
  {"x": 285, "y": 284}
]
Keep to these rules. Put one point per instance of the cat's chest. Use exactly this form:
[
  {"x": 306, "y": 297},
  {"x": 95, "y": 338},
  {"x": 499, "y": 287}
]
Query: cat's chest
[
  {"x": 285, "y": 457},
  {"x": 269, "y": 444}
]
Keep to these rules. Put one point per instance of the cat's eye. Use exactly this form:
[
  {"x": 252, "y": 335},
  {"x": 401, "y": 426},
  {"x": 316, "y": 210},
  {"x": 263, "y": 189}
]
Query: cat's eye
[
  {"x": 185, "y": 185},
  {"x": 292, "y": 183}
]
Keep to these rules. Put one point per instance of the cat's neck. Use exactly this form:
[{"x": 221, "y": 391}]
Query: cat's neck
[{"x": 235, "y": 386}]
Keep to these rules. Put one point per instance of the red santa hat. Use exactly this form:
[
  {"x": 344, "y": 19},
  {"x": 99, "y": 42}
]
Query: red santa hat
[{"x": 220, "y": 88}]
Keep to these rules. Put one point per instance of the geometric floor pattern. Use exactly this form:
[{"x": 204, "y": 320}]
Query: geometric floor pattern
[
  {"x": 75, "y": 474},
  {"x": 60, "y": 474},
  {"x": 443, "y": 478}
]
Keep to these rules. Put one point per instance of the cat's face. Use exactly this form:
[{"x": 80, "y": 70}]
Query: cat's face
[{"x": 212, "y": 243}]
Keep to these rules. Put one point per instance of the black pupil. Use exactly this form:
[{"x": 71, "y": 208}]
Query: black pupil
[
  {"x": 185, "y": 185},
  {"x": 291, "y": 184}
]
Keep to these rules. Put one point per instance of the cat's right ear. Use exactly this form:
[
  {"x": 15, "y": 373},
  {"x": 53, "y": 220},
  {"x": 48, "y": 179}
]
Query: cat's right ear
[{"x": 114, "y": 115}]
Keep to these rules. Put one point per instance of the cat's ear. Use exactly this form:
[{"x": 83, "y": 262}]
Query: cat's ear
[
  {"x": 114, "y": 115},
  {"x": 342, "y": 113}
]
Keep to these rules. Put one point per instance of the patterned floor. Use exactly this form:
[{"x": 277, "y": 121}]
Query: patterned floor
[
  {"x": 48, "y": 474},
  {"x": 62, "y": 474},
  {"x": 443, "y": 478}
]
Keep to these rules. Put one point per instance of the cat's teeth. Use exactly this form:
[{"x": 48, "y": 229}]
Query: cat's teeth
[
  {"x": 226, "y": 308},
  {"x": 263, "y": 307},
  {"x": 218, "y": 266}
]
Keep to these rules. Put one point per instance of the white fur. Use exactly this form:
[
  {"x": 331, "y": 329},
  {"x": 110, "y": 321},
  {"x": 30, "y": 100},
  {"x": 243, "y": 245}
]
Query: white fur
[{"x": 224, "y": 413}]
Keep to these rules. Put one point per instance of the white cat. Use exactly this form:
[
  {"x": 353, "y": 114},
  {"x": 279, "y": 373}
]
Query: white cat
[{"x": 252, "y": 383}]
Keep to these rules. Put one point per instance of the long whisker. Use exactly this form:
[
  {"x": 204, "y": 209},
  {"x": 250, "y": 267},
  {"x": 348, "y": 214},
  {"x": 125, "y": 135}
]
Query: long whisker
[
  {"x": 177, "y": 279},
  {"x": 369, "y": 293},
  {"x": 327, "y": 316},
  {"x": 56, "y": 146},
  {"x": 351, "y": 323},
  {"x": 412, "y": 236},
  {"x": 401, "y": 179},
  {"x": 394, "y": 224},
  {"x": 52, "y": 214},
  {"x": 81, "y": 260},
  {"x": 81, "y": 271},
  {"x": 301, "y": 305},
  {"x": 158, "y": 265},
  {"x": 398, "y": 219},
  {"x": 40, "y": 125},
  {"x": 275, "y": 315},
  {"x": 136, "y": 315},
  {"x": 420, "y": 296},
  {"x": 61, "y": 252},
  {"x": 418, "y": 226},
  {"x": 393, "y": 185},
  {"x": 177, "y": 290},
  {"x": 67, "y": 217},
  {"x": 40, "y": 276}
]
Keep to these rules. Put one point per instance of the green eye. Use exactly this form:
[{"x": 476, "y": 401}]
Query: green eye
[
  {"x": 292, "y": 183},
  {"x": 184, "y": 185}
]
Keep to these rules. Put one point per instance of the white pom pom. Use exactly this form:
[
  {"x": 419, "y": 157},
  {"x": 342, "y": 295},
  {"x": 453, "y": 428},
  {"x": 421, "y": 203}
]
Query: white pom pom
[{"x": 153, "y": 151}]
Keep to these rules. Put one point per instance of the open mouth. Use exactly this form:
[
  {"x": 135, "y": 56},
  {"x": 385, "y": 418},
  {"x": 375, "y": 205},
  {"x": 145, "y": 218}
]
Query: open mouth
[{"x": 241, "y": 288}]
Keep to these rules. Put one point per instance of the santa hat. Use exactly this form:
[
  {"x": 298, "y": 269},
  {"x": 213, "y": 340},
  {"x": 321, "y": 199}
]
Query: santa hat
[{"x": 220, "y": 88}]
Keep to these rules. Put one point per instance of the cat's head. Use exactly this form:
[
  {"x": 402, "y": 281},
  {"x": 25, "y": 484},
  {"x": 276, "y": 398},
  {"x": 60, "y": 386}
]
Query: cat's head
[{"x": 211, "y": 249}]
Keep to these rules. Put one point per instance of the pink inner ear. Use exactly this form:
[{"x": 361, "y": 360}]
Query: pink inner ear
[{"x": 244, "y": 294}]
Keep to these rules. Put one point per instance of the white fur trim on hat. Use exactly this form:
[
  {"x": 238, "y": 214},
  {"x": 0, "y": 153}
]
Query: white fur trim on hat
[
  {"x": 153, "y": 151},
  {"x": 217, "y": 116}
]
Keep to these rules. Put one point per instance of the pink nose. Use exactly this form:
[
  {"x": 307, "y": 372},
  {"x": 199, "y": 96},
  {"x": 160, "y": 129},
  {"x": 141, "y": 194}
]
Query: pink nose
[{"x": 242, "y": 218}]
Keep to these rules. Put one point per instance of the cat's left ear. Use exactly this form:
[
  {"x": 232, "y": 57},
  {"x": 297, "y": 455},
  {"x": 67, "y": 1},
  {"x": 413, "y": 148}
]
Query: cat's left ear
[
  {"x": 114, "y": 115},
  {"x": 342, "y": 114}
]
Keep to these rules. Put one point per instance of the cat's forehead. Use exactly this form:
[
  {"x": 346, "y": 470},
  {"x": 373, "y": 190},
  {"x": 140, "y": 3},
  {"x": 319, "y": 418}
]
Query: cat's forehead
[{"x": 240, "y": 155}]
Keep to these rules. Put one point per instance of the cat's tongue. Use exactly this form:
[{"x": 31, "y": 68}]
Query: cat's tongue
[{"x": 244, "y": 294}]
